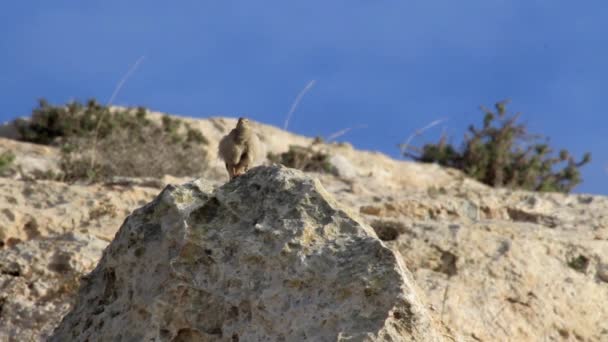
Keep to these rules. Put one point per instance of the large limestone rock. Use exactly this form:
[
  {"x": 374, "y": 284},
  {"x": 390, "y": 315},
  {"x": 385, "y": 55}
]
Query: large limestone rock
[
  {"x": 502, "y": 265},
  {"x": 31, "y": 160},
  {"x": 269, "y": 256}
]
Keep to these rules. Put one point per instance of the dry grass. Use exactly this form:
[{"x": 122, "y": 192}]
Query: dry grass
[
  {"x": 110, "y": 101},
  {"x": 296, "y": 102},
  {"x": 305, "y": 159},
  {"x": 147, "y": 153}
]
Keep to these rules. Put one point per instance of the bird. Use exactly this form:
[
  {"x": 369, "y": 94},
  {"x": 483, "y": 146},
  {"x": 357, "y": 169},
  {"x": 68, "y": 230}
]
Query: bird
[{"x": 239, "y": 149}]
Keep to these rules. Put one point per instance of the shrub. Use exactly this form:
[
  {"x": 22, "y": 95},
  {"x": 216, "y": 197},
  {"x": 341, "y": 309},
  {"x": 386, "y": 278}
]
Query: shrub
[
  {"x": 503, "y": 153},
  {"x": 6, "y": 160},
  {"x": 305, "y": 159},
  {"x": 150, "y": 154},
  {"x": 580, "y": 263},
  {"x": 49, "y": 124},
  {"x": 98, "y": 143}
]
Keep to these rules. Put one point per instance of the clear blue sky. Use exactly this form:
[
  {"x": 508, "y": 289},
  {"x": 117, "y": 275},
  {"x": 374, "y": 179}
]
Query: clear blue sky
[{"x": 391, "y": 65}]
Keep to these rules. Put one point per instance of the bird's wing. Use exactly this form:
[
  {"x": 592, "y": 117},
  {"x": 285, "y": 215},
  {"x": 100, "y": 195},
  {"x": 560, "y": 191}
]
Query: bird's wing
[
  {"x": 224, "y": 148},
  {"x": 256, "y": 150},
  {"x": 249, "y": 153},
  {"x": 228, "y": 150}
]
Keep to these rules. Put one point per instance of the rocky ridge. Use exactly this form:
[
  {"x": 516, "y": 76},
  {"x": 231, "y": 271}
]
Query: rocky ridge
[
  {"x": 270, "y": 255},
  {"x": 493, "y": 264}
]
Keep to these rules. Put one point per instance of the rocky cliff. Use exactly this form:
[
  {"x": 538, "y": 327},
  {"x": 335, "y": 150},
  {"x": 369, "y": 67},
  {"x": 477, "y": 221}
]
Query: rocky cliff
[
  {"x": 493, "y": 264},
  {"x": 269, "y": 256}
]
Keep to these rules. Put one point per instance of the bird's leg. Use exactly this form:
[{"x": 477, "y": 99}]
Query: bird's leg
[
  {"x": 230, "y": 170},
  {"x": 233, "y": 172}
]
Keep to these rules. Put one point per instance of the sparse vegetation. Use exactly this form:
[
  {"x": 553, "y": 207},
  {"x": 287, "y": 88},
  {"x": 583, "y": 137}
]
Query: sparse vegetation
[
  {"x": 50, "y": 125},
  {"x": 104, "y": 208},
  {"x": 6, "y": 160},
  {"x": 388, "y": 230},
  {"x": 304, "y": 158},
  {"x": 98, "y": 143},
  {"x": 580, "y": 263},
  {"x": 503, "y": 154}
]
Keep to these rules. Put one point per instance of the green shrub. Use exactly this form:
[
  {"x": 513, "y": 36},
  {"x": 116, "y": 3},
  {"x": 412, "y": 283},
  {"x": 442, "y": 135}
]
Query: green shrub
[
  {"x": 580, "y": 263},
  {"x": 6, "y": 160},
  {"x": 305, "y": 159},
  {"x": 503, "y": 154},
  {"x": 50, "y": 125},
  {"x": 98, "y": 143}
]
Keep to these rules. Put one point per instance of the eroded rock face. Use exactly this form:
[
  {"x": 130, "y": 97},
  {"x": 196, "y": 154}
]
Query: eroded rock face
[
  {"x": 496, "y": 265},
  {"x": 38, "y": 279},
  {"x": 31, "y": 210},
  {"x": 503, "y": 265},
  {"x": 268, "y": 256}
]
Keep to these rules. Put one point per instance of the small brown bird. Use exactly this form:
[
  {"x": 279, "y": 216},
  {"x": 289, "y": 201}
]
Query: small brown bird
[{"x": 239, "y": 149}]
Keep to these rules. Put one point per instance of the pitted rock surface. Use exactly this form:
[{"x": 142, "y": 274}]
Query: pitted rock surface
[
  {"x": 30, "y": 308},
  {"x": 269, "y": 256}
]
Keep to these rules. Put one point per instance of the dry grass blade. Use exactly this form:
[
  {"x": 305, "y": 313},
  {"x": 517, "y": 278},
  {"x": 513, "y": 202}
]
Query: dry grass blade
[
  {"x": 112, "y": 97},
  {"x": 297, "y": 101},
  {"x": 124, "y": 79},
  {"x": 342, "y": 132},
  {"x": 405, "y": 145}
]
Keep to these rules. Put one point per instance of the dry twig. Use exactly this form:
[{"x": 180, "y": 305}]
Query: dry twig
[
  {"x": 342, "y": 132},
  {"x": 297, "y": 101},
  {"x": 403, "y": 147},
  {"x": 112, "y": 97}
]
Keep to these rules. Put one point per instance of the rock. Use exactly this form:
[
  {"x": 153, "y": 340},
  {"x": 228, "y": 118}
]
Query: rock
[
  {"x": 31, "y": 160},
  {"x": 344, "y": 167},
  {"x": 133, "y": 181},
  {"x": 29, "y": 209},
  {"x": 38, "y": 280},
  {"x": 602, "y": 272},
  {"x": 493, "y": 263},
  {"x": 531, "y": 275},
  {"x": 370, "y": 210},
  {"x": 268, "y": 256}
]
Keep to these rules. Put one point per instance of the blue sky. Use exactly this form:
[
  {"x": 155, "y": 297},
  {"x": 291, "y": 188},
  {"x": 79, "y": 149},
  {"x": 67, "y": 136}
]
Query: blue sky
[{"x": 393, "y": 66}]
